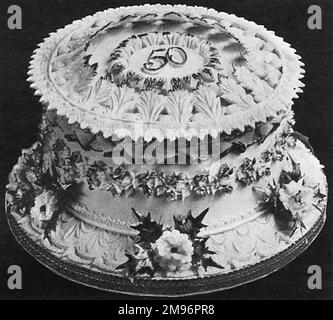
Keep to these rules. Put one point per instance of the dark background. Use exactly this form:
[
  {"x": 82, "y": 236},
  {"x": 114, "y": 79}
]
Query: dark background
[{"x": 20, "y": 114}]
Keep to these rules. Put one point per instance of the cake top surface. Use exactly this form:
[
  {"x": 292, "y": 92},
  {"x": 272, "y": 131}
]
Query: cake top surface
[{"x": 162, "y": 71}]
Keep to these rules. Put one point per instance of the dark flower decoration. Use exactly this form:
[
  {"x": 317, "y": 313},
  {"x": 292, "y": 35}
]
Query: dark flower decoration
[
  {"x": 149, "y": 230},
  {"x": 146, "y": 258},
  {"x": 246, "y": 174},
  {"x": 190, "y": 225},
  {"x": 272, "y": 204},
  {"x": 294, "y": 175}
]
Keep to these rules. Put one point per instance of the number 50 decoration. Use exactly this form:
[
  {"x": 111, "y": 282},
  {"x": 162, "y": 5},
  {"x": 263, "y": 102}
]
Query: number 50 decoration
[{"x": 159, "y": 58}]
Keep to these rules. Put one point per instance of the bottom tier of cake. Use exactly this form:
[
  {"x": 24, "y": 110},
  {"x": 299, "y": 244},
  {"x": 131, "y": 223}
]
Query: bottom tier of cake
[{"x": 194, "y": 244}]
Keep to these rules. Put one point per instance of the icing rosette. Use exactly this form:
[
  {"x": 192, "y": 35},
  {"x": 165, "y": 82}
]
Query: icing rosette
[
  {"x": 173, "y": 250},
  {"x": 44, "y": 208},
  {"x": 297, "y": 198}
]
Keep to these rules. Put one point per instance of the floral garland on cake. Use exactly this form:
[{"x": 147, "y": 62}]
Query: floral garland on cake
[
  {"x": 73, "y": 167},
  {"x": 35, "y": 191},
  {"x": 290, "y": 199},
  {"x": 23, "y": 183},
  {"x": 251, "y": 170},
  {"x": 176, "y": 186}
]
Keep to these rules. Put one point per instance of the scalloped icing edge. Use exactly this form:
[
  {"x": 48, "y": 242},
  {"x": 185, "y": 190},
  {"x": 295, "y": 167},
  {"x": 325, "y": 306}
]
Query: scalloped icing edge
[{"x": 282, "y": 99}]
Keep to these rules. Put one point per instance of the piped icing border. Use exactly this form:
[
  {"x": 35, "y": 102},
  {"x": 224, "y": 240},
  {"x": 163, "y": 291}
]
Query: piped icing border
[{"x": 109, "y": 124}]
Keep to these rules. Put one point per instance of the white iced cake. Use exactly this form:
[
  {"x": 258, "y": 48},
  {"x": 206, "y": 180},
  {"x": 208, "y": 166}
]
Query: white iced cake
[{"x": 167, "y": 147}]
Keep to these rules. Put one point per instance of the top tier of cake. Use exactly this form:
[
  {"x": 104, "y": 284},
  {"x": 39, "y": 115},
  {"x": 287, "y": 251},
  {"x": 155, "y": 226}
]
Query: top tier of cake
[{"x": 160, "y": 71}]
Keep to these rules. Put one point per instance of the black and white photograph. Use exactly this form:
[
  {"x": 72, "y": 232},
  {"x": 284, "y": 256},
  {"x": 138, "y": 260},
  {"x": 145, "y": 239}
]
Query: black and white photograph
[{"x": 166, "y": 151}]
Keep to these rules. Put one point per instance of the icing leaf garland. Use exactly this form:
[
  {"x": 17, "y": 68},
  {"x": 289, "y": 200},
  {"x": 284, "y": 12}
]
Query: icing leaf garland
[
  {"x": 250, "y": 81},
  {"x": 236, "y": 95},
  {"x": 165, "y": 249},
  {"x": 179, "y": 107},
  {"x": 120, "y": 101},
  {"x": 80, "y": 76},
  {"x": 150, "y": 106},
  {"x": 109, "y": 98},
  {"x": 208, "y": 105},
  {"x": 258, "y": 63}
]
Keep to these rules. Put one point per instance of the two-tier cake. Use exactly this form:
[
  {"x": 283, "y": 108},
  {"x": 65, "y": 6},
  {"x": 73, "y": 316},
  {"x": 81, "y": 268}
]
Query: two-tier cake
[{"x": 166, "y": 161}]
